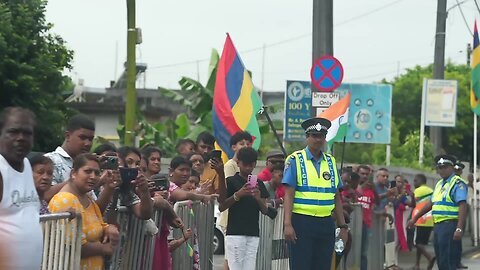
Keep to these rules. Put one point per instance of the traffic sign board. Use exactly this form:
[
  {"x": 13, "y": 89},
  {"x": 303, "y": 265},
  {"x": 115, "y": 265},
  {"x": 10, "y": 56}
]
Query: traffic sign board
[{"x": 326, "y": 73}]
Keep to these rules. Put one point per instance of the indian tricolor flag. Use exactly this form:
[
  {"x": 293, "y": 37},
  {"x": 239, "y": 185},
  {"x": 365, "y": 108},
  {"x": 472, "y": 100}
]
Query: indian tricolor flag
[{"x": 338, "y": 115}]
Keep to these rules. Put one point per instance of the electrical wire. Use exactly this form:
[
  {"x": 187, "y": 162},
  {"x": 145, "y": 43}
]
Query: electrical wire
[
  {"x": 288, "y": 40},
  {"x": 463, "y": 16},
  {"x": 476, "y": 4}
]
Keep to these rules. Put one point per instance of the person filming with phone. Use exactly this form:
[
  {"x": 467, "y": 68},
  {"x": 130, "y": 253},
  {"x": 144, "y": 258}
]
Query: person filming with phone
[{"x": 246, "y": 197}]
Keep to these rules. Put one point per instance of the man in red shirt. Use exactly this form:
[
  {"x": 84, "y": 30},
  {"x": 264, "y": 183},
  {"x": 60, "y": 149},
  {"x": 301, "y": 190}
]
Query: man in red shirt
[
  {"x": 273, "y": 157},
  {"x": 366, "y": 197}
]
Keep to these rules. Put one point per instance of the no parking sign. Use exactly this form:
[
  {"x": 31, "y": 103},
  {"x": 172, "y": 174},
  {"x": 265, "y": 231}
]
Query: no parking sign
[{"x": 326, "y": 73}]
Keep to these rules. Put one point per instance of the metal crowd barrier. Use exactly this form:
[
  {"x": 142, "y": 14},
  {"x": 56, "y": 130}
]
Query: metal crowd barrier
[
  {"x": 356, "y": 224},
  {"x": 136, "y": 248},
  {"x": 272, "y": 250},
  {"x": 265, "y": 245},
  {"x": 61, "y": 241},
  {"x": 200, "y": 218}
]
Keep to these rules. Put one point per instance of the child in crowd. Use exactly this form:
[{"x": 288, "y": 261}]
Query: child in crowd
[
  {"x": 185, "y": 147},
  {"x": 274, "y": 184},
  {"x": 244, "y": 200},
  {"x": 193, "y": 183}
]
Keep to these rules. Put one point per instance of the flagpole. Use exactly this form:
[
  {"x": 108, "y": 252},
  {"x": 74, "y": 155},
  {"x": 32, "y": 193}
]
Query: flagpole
[
  {"x": 274, "y": 130},
  {"x": 475, "y": 197},
  {"x": 343, "y": 154}
]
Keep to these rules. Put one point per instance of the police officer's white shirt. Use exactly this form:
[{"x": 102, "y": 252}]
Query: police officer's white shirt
[{"x": 19, "y": 219}]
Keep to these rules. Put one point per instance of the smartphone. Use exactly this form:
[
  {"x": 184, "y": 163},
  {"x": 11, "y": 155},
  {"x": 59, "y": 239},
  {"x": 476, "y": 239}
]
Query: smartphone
[
  {"x": 160, "y": 182},
  {"x": 252, "y": 181},
  {"x": 127, "y": 175},
  {"x": 109, "y": 163},
  {"x": 216, "y": 154},
  {"x": 393, "y": 184}
]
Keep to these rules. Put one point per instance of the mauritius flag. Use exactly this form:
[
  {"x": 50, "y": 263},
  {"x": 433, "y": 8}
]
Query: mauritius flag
[
  {"x": 475, "y": 90},
  {"x": 235, "y": 100}
]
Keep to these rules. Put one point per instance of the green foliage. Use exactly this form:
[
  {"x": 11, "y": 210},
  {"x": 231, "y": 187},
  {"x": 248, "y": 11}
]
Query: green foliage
[
  {"x": 32, "y": 59},
  {"x": 196, "y": 98},
  {"x": 406, "y": 111}
]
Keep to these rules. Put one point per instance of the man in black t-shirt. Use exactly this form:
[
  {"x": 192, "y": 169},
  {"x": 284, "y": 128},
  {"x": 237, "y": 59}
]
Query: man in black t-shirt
[{"x": 245, "y": 199}]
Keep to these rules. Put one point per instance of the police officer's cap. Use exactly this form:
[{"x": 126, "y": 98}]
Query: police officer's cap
[
  {"x": 445, "y": 160},
  {"x": 316, "y": 125},
  {"x": 459, "y": 165}
]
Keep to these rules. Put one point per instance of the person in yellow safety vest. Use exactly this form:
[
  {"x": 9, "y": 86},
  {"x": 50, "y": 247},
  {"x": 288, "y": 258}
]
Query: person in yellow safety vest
[
  {"x": 449, "y": 209},
  {"x": 424, "y": 225},
  {"x": 311, "y": 183}
]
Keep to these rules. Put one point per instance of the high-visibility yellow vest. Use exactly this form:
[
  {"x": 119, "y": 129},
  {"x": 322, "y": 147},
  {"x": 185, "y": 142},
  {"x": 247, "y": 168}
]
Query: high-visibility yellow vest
[
  {"x": 444, "y": 208},
  {"x": 315, "y": 191},
  {"x": 423, "y": 194}
]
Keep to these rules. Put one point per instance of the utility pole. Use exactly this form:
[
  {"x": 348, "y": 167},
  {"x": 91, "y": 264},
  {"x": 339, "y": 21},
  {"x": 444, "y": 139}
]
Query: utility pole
[
  {"x": 439, "y": 65},
  {"x": 322, "y": 29},
  {"x": 130, "y": 106}
]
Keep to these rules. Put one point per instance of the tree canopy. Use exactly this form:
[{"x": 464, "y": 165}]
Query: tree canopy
[
  {"x": 406, "y": 111},
  {"x": 32, "y": 59}
]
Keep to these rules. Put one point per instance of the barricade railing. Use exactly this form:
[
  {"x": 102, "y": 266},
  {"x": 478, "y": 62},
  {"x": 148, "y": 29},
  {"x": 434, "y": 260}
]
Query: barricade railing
[
  {"x": 356, "y": 226},
  {"x": 136, "y": 247},
  {"x": 200, "y": 218},
  {"x": 62, "y": 237},
  {"x": 272, "y": 249}
]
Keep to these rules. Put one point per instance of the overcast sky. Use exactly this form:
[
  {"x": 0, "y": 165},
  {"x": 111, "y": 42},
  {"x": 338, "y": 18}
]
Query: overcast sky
[{"x": 374, "y": 39}]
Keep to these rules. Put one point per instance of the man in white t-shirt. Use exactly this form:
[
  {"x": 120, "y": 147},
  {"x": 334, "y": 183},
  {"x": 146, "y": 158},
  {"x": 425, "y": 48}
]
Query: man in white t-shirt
[{"x": 20, "y": 229}]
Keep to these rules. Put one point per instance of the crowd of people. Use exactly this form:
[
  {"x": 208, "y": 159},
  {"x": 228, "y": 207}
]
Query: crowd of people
[{"x": 93, "y": 183}]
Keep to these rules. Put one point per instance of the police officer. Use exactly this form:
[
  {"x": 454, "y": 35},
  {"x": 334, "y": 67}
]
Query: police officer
[
  {"x": 311, "y": 183},
  {"x": 449, "y": 208}
]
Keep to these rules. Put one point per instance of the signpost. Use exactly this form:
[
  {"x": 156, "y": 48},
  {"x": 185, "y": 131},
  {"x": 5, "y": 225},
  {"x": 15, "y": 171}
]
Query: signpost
[
  {"x": 323, "y": 100},
  {"x": 439, "y": 107},
  {"x": 297, "y": 109},
  {"x": 326, "y": 73}
]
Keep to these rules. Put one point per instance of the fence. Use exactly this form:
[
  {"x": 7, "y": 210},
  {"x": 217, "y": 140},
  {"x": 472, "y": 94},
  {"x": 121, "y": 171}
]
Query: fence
[
  {"x": 200, "y": 218},
  {"x": 61, "y": 241},
  {"x": 136, "y": 247}
]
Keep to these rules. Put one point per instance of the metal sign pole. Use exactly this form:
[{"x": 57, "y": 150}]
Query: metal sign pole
[
  {"x": 422, "y": 124},
  {"x": 475, "y": 197}
]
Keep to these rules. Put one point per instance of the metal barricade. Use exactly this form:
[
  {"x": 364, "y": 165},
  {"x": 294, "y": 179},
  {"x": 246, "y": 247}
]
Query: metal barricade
[
  {"x": 200, "y": 218},
  {"x": 264, "y": 252},
  {"x": 272, "y": 249},
  {"x": 62, "y": 239},
  {"x": 204, "y": 218},
  {"x": 356, "y": 225},
  {"x": 136, "y": 248},
  {"x": 280, "y": 253},
  {"x": 391, "y": 257}
]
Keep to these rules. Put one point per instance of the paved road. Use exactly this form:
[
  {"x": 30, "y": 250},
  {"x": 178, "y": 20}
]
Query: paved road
[{"x": 406, "y": 262}]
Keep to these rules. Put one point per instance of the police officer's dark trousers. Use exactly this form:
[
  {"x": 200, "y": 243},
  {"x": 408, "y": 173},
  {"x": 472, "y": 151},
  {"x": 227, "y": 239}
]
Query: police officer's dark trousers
[
  {"x": 314, "y": 245},
  {"x": 447, "y": 250}
]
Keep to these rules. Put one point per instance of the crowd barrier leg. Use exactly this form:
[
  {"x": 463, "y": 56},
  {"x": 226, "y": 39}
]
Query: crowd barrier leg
[
  {"x": 356, "y": 224},
  {"x": 376, "y": 249},
  {"x": 264, "y": 252},
  {"x": 135, "y": 250},
  {"x": 200, "y": 218},
  {"x": 61, "y": 241},
  {"x": 390, "y": 239}
]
